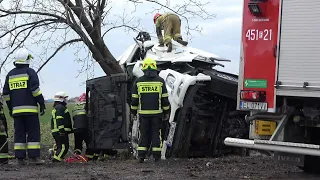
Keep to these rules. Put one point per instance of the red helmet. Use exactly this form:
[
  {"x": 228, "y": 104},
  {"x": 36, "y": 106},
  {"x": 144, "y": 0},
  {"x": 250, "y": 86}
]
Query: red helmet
[
  {"x": 155, "y": 17},
  {"x": 82, "y": 98}
]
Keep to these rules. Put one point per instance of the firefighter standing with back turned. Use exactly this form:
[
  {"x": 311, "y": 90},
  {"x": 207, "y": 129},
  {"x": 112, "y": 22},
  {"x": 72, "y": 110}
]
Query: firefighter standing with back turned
[
  {"x": 22, "y": 94},
  {"x": 150, "y": 100},
  {"x": 171, "y": 25},
  {"x": 3, "y": 136},
  {"x": 61, "y": 126},
  {"x": 81, "y": 127}
]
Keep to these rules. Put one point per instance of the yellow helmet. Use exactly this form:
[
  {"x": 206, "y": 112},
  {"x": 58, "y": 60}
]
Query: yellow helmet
[{"x": 149, "y": 63}]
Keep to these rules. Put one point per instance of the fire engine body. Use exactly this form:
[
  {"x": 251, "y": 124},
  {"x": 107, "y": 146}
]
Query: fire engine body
[{"x": 279, "y": 80}]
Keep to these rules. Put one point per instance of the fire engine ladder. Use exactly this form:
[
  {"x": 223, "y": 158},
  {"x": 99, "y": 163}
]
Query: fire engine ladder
[{"x": 273, "y": 145}]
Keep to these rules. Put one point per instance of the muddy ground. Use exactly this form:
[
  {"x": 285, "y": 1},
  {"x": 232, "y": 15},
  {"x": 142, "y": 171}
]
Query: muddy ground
[{"x": 232, "y": 167}]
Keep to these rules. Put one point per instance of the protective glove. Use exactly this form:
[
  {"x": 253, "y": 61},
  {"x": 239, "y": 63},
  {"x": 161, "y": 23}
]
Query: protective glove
[
  {"x": 134, "y": 117},
  {"x": 42, "y": 109}
]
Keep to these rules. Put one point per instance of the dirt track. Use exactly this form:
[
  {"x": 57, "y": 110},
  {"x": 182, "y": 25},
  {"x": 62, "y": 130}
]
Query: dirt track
[{"x": 222, "y": 168}]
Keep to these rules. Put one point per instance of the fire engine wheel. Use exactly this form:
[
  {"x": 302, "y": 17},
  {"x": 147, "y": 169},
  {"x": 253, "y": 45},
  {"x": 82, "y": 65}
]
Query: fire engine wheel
[{"x": 311, "y": 164}]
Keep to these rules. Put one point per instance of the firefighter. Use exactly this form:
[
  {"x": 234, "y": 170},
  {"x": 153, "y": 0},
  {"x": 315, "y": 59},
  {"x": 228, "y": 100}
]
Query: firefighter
[
  {"x": 81, "y": 127},
  {"x": 22, "y": 94},
  {"x": 61, "y": 126},
  {"x": 149, "y": 93},
  {"x": 3, "y": 136},
  {"x": 171, "y": 25}
]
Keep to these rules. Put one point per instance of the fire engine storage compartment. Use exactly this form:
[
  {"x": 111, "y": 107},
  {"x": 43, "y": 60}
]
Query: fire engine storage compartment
[
  {"x": 108, "y": 111},
  {"x": 298, "y": 75},
  {"x": 299, "y": 63}
]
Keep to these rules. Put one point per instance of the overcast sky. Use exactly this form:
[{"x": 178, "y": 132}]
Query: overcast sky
[{"x": 221, "y": 36}]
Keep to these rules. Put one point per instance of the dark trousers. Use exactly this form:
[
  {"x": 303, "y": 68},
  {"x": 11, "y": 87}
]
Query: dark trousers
[
  {"x": 150, "y": 135},
  {"x": 62, "y": 143},
  {"x": 81, "y": 136},
  {"x": 27, "y": 136},
  {"x": 4, "y": 151}
]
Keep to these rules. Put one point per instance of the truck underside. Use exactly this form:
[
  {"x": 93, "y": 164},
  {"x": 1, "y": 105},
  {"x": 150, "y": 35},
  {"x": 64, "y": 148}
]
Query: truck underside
[
  {"x": 296, "y": 137},
  {"x": 198, "y": 124}
]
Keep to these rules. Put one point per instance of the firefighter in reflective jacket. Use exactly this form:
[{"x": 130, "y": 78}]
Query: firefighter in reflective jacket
[
  {"x": 3, "y": 137},
  {"x": 61, "y": 126},
  {"x": 171, "y": 25},
  {"x": 22, "y": 94},
  {"x": 81, "y": 127},
  {"x": 150, "y": 101}
]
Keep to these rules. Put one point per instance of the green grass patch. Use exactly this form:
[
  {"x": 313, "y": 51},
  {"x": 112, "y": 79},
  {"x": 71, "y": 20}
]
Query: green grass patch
[{"x": 45, "y": 126}]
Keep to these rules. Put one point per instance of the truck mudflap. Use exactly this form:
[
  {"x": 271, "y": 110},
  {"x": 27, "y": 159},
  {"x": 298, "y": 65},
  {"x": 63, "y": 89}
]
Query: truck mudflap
[
  {"x": 278, "y": 146},
  {"x": 108, "y": 111}
]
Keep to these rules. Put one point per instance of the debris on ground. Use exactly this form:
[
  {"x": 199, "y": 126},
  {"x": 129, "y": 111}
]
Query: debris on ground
[{"x": 232, "y": 167}]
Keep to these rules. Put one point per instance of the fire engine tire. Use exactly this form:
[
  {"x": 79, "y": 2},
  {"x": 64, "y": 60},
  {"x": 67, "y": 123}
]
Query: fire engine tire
[{"x": 311, "y": 164}]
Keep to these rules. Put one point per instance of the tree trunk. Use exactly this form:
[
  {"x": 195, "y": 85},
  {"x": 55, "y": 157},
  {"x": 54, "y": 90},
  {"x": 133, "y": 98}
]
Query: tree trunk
[{"x": 109, "y": 64}]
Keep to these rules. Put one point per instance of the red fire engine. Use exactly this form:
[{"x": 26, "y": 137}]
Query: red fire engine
[{"x": 279, "y": 79}]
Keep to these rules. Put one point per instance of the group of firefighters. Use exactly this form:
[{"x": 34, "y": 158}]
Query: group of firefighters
[{"x": 22, "y": 95}]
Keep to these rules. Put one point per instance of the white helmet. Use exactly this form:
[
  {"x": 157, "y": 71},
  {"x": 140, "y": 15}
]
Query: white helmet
[
  {"x": 23, "y": 56},
  {"x": 60, "y": 97}
]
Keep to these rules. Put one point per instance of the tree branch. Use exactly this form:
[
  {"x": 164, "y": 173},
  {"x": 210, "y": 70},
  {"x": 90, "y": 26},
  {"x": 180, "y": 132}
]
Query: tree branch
[
  {"x": 30, "y": 12},
  {"x": 88, "y": 20},
  {"x": 15, "y": 38},
  {"x": 184, "y": 8},
  {"x": 24, "y": 39},
  {"x": 56, "y": 51},
  {"x": 126, "y": 26},
  {"x": 102, "y": 5},
  {"x": 27, "y": 24}
]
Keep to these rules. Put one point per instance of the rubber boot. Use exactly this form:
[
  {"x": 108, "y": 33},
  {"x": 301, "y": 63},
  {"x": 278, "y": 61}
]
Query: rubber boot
[
  {"x": 95, "y": 157},
  {"x": 141, "y": 160},
  {"x": 156, "y": 159},
  {"x": 21, "y": 162},
  {"x": 36, "y": 161},
  {"x": 55, "y": 161},
  {"x": 4, "y": 161},
  {"x": 103, "y": 157},
  {"x": 184, "y": 43},
  {"x": 169, "y": 47}
]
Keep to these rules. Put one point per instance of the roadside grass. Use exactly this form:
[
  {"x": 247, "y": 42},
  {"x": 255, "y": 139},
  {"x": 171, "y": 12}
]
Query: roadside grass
[
  {"x": 47, "y": 140},
  {"x": 45, "y": 127}
]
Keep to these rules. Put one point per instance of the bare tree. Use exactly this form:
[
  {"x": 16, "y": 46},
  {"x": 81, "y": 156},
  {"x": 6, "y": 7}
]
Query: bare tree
[{"x": 61, "y": 23}]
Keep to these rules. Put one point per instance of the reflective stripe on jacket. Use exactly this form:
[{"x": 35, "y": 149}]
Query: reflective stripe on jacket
[
  {"x": 79, "y": 116},
  {"x": 61, "y": 120},
  {"x": 149, "y": 96},
  {"x": 21, "y": 91}
]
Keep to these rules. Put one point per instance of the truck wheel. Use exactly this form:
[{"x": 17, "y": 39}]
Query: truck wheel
[{"x": 311, "y": 164}]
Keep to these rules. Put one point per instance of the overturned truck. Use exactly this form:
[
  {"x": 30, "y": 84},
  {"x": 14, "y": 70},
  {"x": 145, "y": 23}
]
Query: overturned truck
[{"x": 203, "y": 102}]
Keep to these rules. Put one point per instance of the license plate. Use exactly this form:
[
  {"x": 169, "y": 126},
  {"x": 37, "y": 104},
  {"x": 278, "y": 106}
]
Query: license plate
[{"x": 260, "y": 106}]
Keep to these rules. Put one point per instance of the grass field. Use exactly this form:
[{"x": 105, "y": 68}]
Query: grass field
[{"x": 45, "y": 125}]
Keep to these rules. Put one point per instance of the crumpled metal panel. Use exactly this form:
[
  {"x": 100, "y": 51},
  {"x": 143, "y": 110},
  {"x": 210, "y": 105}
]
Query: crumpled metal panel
[{"x": 107, "y": 111}]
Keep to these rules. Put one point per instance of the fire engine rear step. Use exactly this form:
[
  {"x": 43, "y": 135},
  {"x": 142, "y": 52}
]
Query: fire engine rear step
[{"x": 288, "y": 147}]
